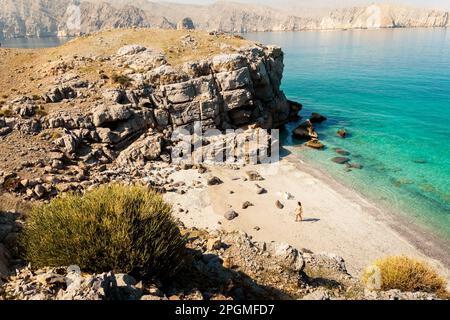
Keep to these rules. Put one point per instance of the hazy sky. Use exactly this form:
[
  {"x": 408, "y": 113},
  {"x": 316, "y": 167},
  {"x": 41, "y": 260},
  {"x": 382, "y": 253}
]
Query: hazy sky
[{"x": 441, "y": 4}]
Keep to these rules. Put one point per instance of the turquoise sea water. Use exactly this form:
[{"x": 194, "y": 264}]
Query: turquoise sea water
[{"x": 391, "y": 90}]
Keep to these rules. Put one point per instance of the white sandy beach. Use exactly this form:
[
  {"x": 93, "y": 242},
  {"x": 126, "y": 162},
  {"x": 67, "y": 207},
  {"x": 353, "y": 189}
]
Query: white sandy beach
[{"x": 336, "y": 219}]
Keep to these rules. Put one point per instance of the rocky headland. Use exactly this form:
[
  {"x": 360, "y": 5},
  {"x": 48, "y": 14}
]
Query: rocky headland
[{"x": 103, "y": 108}]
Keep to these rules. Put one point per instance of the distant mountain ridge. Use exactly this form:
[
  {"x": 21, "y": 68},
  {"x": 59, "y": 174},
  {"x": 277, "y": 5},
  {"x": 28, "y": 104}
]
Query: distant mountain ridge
[{"x": 41, "y": 18}]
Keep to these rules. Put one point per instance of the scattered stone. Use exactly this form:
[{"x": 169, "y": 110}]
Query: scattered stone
[
  {"x": 40, "y": 191},
  {"x": 342, "y": 152},
  {"x": 340, "y": 160},
  {"x": 260, "y": 190},
  {"x": 247, "y": 204},
  {"x": 279, "y": 205},
  {"x": 214, "y": 181},
  {"x": 230, "y": 215}
]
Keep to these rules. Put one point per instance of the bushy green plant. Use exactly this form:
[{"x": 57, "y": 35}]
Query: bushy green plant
[
  {"x": 115, "y": 227},
  {"x": 406, "y": 274}
]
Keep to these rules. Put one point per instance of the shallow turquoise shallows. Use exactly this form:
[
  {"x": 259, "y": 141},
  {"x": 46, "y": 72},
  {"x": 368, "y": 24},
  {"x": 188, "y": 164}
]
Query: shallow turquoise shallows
[{"x": 391, "y": 90}]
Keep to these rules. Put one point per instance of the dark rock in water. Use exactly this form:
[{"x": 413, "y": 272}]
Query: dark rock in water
[
  {"x": 247, "y": 204},
  {"x": 254, "y": 176},
  {"x": 342, "y": 133},
  {"x": 230, "y": 215},
  {"x": 213, "y": 181},
  {"x": 279, "y": 205},
  {"x": 294, "y": 109},
  {"x": 315, "y": 144},
  {"x": 317, "y": 118},
  {"x": 305, "y": 131},
  {"x": 420, "y": 161},
  {"x": 342, "y": 152},
  {"x": 340, "y": 160}
]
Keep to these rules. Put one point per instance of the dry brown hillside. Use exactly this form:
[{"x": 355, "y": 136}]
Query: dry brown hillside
[{"x": 25, "y": 71}]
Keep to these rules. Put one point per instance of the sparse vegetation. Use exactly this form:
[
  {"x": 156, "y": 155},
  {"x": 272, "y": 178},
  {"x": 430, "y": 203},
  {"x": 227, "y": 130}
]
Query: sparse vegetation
[
  {"x": 121, "y": 79},
  {"x": 6, "y": 112},
  {"x": 406, "y": 274},
  {"x": 115, "y": 227},
  {"x": 40, "y": 112}
]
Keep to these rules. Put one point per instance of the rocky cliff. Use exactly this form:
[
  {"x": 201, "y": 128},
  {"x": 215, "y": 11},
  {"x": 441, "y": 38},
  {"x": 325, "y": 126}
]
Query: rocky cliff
[
  {"x": 60, "y": 17},
  {"x": 129, "y": 103}
]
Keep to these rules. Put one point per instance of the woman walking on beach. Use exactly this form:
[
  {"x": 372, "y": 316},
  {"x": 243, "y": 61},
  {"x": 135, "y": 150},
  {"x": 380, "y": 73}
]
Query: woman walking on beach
[{"x": 299, "y": 212}]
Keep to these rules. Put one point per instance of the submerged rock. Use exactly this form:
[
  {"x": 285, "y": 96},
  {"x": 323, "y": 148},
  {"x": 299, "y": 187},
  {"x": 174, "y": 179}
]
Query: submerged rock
[
  {"x": 342, "y": 152},
  {"x": 230, "y": 215},
  {"x": 342, "y": 133},
  {"x": 279, "y": 205},
  {"x": 341, "y": 160},
  {"x": 247, "y": 204}
]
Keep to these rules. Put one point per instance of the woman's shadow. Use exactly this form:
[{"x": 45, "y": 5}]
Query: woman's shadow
[{"x": 311, "y": 220}]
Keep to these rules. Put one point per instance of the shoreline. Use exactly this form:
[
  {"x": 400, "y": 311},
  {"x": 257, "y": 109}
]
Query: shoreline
[
  {"x": 421, "y": 236},
  {"x": 338, "y": 220}
]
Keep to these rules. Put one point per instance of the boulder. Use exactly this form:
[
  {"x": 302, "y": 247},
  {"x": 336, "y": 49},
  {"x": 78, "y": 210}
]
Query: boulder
[
  {"x": 148, "y": 147},
  {"x": 107, "y": 114},
  {"x": 315, "y": 144},
  {"x": 247, "y": 204},
  {"x": 253, "y": 176},
  {"x": 305, "y": 131},
  {"x": 342, "y": 152},
  {"x": 214, "y": 181},
  {"x": 341, "y": 160},
  {"x": 69, "y": 142},
  {"x": 279, "y": 205},
  {"x": 130, "y": 50},
  {"x": 288, "y": 257},
  {"x": 317, "y": 118}
]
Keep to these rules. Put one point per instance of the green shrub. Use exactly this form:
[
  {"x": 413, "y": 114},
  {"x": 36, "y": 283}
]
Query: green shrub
[
  {"x": 115, "y": 227},
  {"x": 406, "y": 274}
]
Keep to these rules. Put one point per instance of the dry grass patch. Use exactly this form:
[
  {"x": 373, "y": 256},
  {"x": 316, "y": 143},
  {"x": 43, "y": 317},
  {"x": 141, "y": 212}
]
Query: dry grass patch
[{"x": 405, "y": 274}]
